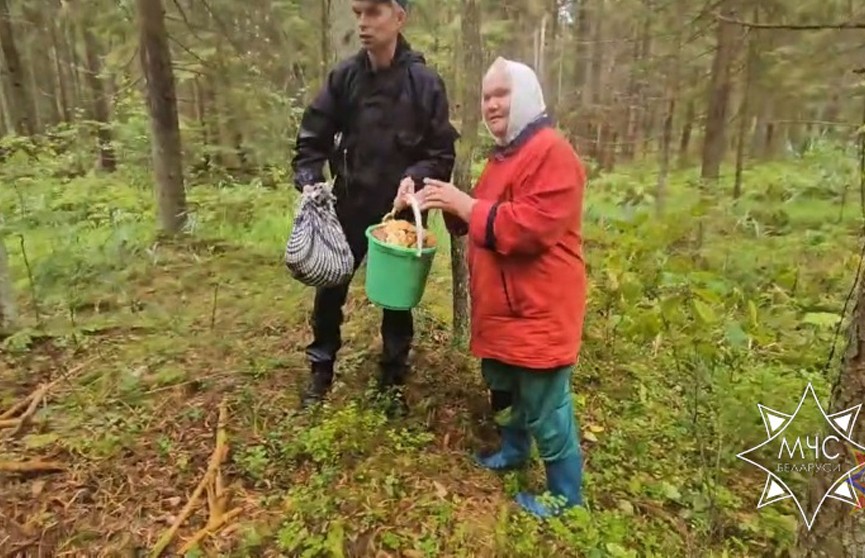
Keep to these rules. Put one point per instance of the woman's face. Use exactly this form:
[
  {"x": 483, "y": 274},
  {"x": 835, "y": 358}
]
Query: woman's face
[{"x": 496, "y": 102}]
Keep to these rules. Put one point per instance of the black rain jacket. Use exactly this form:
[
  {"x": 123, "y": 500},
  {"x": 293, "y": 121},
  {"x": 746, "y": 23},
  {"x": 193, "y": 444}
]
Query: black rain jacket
[{"x": 374, "y": 129}]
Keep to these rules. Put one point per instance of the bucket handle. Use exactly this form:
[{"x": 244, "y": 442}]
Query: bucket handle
[{"x": 415, "y": 206}]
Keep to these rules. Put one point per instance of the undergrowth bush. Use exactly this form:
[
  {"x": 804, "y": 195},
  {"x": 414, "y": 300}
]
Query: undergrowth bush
[{"x": 694, "y": 317}]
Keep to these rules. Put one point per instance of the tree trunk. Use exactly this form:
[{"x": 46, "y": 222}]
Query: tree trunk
[
  {"x": 744, "y": 107},
  {"x": 671, "y": 94},
  {"x": 201, "y": 117},
  {"x": 107, "y": 161},
  {"x": 553, "y": 58},
  {"x": 598, "y": 128},
  {"x": 33, "y": 89},
  {"x": 343, "y": 38},
  {"x": 62, "y": 100},
  {"x": 20, "y": 101},
  {"x": 7, "y": 124},
  {"x": 666, "y": 141},
  {"x": 162, "y": 105},
  {"x": 687, "y": 131},
  {"x": 325, "y": 40},
  {"x": 73, "y": 64},
  {"x": 714, "y": 142},
  {"x": 470, "y": 99},
  {"x": 578, "y": 113},
  {"x": 838, "y": 531},
  {"x": 632, "y": 103},
  {"x": 38, "y": 58},
  {"x": 7, "y": 300}
]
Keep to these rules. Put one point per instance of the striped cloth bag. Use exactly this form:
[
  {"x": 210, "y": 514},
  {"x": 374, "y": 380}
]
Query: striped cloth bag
[{"x": 317, "y": 253}]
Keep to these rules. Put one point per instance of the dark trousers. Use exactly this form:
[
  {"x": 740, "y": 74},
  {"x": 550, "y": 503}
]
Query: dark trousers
[{"x": 397, "y": 327}]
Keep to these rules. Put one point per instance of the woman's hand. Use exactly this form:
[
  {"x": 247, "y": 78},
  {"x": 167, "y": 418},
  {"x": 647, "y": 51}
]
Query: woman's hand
[
  {"x": 406, "y": 187},
  {"x": 447, "y": 197}
]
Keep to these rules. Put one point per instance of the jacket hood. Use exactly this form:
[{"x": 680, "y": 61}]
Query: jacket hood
[
  {"x": 404, "y": 52},
  {"x": 527, "y": 97}
]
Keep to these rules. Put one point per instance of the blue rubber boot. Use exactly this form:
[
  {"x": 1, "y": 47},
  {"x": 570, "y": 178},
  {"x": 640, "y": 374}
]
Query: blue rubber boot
[
  {"x": 514, "y": 453},
  {"x": 564, "y": 482}
]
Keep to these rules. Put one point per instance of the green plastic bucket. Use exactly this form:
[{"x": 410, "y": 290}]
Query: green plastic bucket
[{"x": 396, "y": 277}]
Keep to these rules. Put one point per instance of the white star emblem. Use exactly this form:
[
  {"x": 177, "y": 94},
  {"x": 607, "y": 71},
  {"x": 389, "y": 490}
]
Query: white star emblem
[{"x": 776, "y": 489}]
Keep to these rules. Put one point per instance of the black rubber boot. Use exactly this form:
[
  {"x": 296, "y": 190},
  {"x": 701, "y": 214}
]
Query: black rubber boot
[
  {"x": 319, "y": 384},
  {"x": 391, "y": 388}
]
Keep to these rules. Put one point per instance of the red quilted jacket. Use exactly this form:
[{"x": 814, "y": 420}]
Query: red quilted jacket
[{"x": 525, "y": 258}]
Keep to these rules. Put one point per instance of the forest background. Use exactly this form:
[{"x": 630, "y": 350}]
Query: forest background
[{"x": 152, "y": 339}]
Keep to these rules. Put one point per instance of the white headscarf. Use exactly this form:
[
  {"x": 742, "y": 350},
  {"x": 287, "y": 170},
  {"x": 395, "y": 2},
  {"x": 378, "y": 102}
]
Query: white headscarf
[{"x": 527, "y": 97}]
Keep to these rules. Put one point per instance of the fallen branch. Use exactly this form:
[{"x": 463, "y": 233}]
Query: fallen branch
[
  {"x": 17, "y": 407},
  {"x": 216, "y": 459},
  {"x": 209, "y": 529},
  {"x": 38, "y": 395},
  {"x": 33, "y": 466},
  {"x": 31, "y": 402}
]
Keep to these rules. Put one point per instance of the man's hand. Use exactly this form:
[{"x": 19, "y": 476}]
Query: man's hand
[
  {"x": 447, "y": 197},
  {"x": 406, "y": 187}
]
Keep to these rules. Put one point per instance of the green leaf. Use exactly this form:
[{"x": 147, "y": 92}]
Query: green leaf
[
  {"x": 671, "y": 308},
  {"x": 670, "y": 492},
  {"x": 821, "y": 319},
  {"x": 36, "y": 441},
  {"x": 735, "y": 335},
  {"x": 503, "y": 417},
  {"x": 752, "y": 312},
  {"x": 704, "y": 311},
  {"x": 618, "y": 551},
  {"x": 612, "y": 280},
  {"x": 335, "y": 542},
  {"x": 708, "y": 296}
]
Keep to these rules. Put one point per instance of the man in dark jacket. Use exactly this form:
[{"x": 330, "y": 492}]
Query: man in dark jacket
[{"x": 381, "y": 122}]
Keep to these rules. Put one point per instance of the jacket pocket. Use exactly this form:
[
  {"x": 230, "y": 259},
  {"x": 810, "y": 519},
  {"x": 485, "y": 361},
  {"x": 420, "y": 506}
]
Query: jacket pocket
[
  {"x": 530, "y": 288},
  {"x": 507, "y": 287}
]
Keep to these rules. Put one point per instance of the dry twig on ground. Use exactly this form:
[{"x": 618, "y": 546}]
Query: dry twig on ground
[
  {"x": 212, "y": 527},
  {"x": 212, "y": 482},
  {"x": 16, "y": 408},
  {"x": 32, "y": 466},
  {"x": 37, "y": 398},
  {"x": 30, "y": 403}
]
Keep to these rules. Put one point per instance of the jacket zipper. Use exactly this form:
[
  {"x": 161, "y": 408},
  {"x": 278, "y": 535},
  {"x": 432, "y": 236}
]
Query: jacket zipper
[
  {"x": 345, "y": 167},
  {"x": 507, "y": 293},
  {"x": 507, "y": 197}
]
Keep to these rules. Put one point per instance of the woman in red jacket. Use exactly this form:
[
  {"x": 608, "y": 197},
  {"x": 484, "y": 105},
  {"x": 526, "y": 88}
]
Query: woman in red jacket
[{"x": 527, "y": 278}]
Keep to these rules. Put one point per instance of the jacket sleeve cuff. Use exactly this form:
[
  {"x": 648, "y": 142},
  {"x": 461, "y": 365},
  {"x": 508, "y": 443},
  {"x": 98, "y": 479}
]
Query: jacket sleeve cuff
[
  {"x": 306, "y": 177},
  {"x": 482, "y": 224},
  {"x": 455, "y": 225}
]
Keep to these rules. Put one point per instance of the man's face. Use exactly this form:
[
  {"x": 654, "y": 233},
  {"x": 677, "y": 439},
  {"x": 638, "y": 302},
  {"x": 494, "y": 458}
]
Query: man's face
[
  {"x": 378, "y": 23},
  {"x": 496, "y": 102}
]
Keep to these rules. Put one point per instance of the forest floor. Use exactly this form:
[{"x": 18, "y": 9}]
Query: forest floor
[{"x": 144, "y": 344}]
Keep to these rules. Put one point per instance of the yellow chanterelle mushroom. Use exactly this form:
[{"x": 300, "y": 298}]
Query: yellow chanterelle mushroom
[{"x": 402, "y": 233}]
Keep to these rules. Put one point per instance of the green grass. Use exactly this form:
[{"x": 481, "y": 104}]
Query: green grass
[{"x": 694, "y": 318}]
